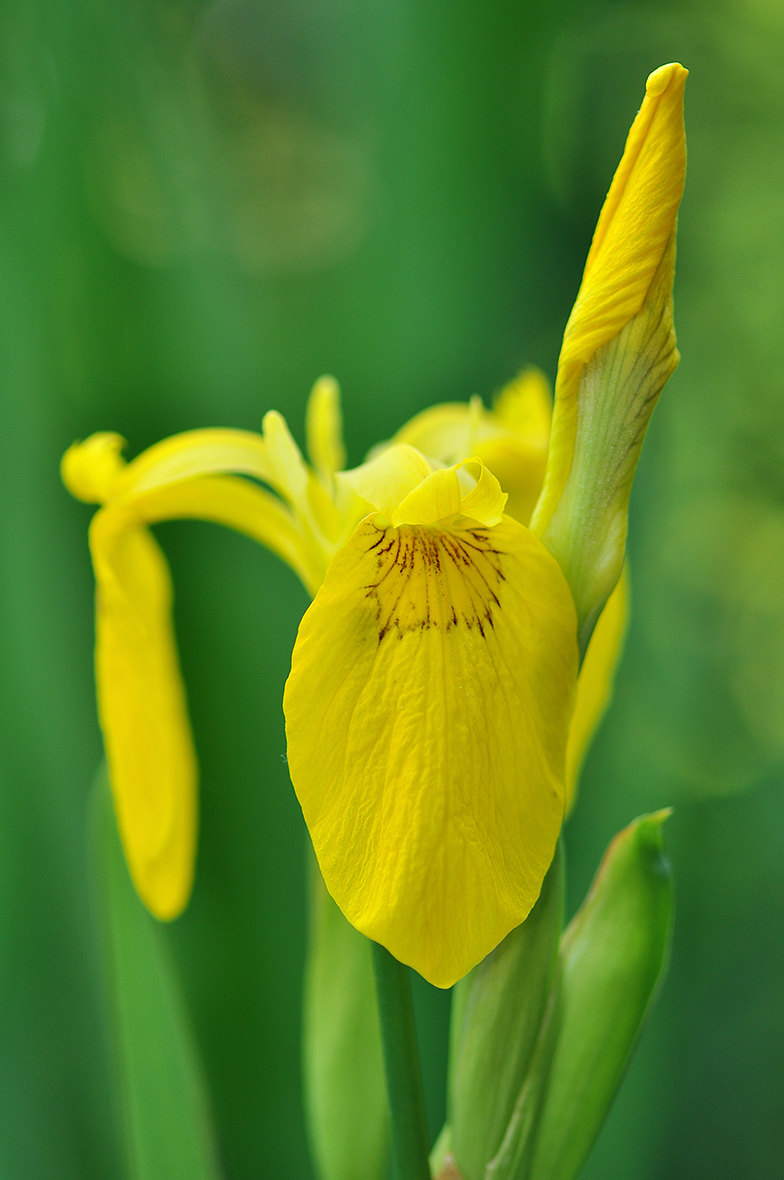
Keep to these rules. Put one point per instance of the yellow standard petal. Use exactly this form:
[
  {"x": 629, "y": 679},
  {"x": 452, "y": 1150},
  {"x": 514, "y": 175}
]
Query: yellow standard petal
[
  {"x": 618, "y": 351},
  {"x": 427, "y": 710},
  {"x": 511, "y": 439}
]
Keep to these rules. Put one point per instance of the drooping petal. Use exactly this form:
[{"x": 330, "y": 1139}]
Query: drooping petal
[
  {"x": 152, "y": 765},
  {"x": 595, "y": 683},
  {"x": 618, "y": 351},
  {"x": 143, "y": 713},
  {"x": 426, "y": 713}
]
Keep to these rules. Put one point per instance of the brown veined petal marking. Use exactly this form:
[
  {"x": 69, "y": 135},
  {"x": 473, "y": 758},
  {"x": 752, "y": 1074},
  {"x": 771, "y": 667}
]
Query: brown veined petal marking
[{"x": 427, "y": 712}]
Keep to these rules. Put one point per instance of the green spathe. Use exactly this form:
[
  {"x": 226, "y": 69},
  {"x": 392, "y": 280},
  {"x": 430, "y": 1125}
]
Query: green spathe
[
  {"x": 497, "y": 1013},
  {"x": 613, "y": 955}
]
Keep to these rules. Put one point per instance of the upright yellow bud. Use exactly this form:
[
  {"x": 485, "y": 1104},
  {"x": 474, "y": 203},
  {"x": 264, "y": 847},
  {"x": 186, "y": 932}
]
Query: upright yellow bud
[{"x": 618, "y": 351}]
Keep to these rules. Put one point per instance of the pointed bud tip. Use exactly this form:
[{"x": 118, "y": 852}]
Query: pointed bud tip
[
  {"x": 661, "y": 79},
  {"x": 646, "y": 833},
  {"x": 650, "y": 828}
]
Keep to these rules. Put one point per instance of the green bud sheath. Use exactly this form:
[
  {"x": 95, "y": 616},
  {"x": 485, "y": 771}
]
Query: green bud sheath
[
  {"x": 612, "y": 955},
  {"x": 345, "y": 1089},
  {"x": 497, "y": 1013}
]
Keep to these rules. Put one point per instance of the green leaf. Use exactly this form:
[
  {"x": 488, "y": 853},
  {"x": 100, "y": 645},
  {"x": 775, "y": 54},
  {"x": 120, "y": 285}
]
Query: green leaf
[
  {"x": 497, "y": 1014},
  {"x": 345, "y": 1086},
  {"x": 612, "y": 955},
  {"x": 164, "y": 1108}
]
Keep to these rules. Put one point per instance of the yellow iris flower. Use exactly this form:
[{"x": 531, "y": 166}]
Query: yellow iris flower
[{"x": 435, "y": 716}]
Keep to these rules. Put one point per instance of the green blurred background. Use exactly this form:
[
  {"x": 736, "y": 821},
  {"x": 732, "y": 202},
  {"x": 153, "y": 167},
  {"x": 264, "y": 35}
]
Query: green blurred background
[{"x": 204, "y": 206}]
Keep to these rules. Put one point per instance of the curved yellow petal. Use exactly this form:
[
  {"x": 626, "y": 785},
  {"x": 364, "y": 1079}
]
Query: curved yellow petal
[
  {"x": 436, "y": 498},
  {"x": 618, "y": 351},
  {"x": 595, "y": 683},
  {"x": 152, "y": 765},
  {"x": 89, "y": 469},
  {"x": 519, "y": 469},
  {"x": 142, "y": 709},
  {"x": 483, "y": 503},
  {"x": 451, "y": 431},
  {"x": 426, "y": 712},
  {"x": 194, "y": 453},
  {"x": 239, "y": 505}
]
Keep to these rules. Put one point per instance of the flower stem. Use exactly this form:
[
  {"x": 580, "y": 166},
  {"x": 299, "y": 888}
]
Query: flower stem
[{"x": 401, "y": 1059}]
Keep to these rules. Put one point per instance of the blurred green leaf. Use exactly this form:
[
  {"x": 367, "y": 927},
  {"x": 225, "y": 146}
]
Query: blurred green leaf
[
  {"x": 165, "y": 1113},
  {"x": 612, "y": 955},
  {"x": 345, "y": 1088}
]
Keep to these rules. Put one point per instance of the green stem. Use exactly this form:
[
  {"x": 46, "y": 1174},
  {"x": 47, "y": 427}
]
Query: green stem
[{"x": 401, "y": 1060}]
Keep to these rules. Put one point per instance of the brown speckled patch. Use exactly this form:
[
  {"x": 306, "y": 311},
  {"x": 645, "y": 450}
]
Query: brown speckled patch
[{"x": 427, "y": 578}]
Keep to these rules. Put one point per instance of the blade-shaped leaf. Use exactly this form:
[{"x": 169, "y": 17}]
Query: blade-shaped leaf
[{"x": 164, "y": 1108}]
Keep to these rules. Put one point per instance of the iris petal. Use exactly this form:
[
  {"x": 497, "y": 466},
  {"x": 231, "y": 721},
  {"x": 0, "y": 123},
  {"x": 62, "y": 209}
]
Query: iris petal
[
  {"x": 141, "y": 699},
  {"x": 143, "y": 714},
  {"x": 324, "y": 428},
  {"x": 427, "y": 711}
]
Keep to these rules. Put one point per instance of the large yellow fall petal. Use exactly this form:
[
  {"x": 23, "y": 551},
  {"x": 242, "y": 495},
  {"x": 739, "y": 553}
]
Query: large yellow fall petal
[{"x": 426, "y": 712}]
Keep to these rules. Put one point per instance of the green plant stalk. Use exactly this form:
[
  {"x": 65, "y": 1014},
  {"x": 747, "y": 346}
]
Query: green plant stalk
[{"x": 401, "y": 1062}]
